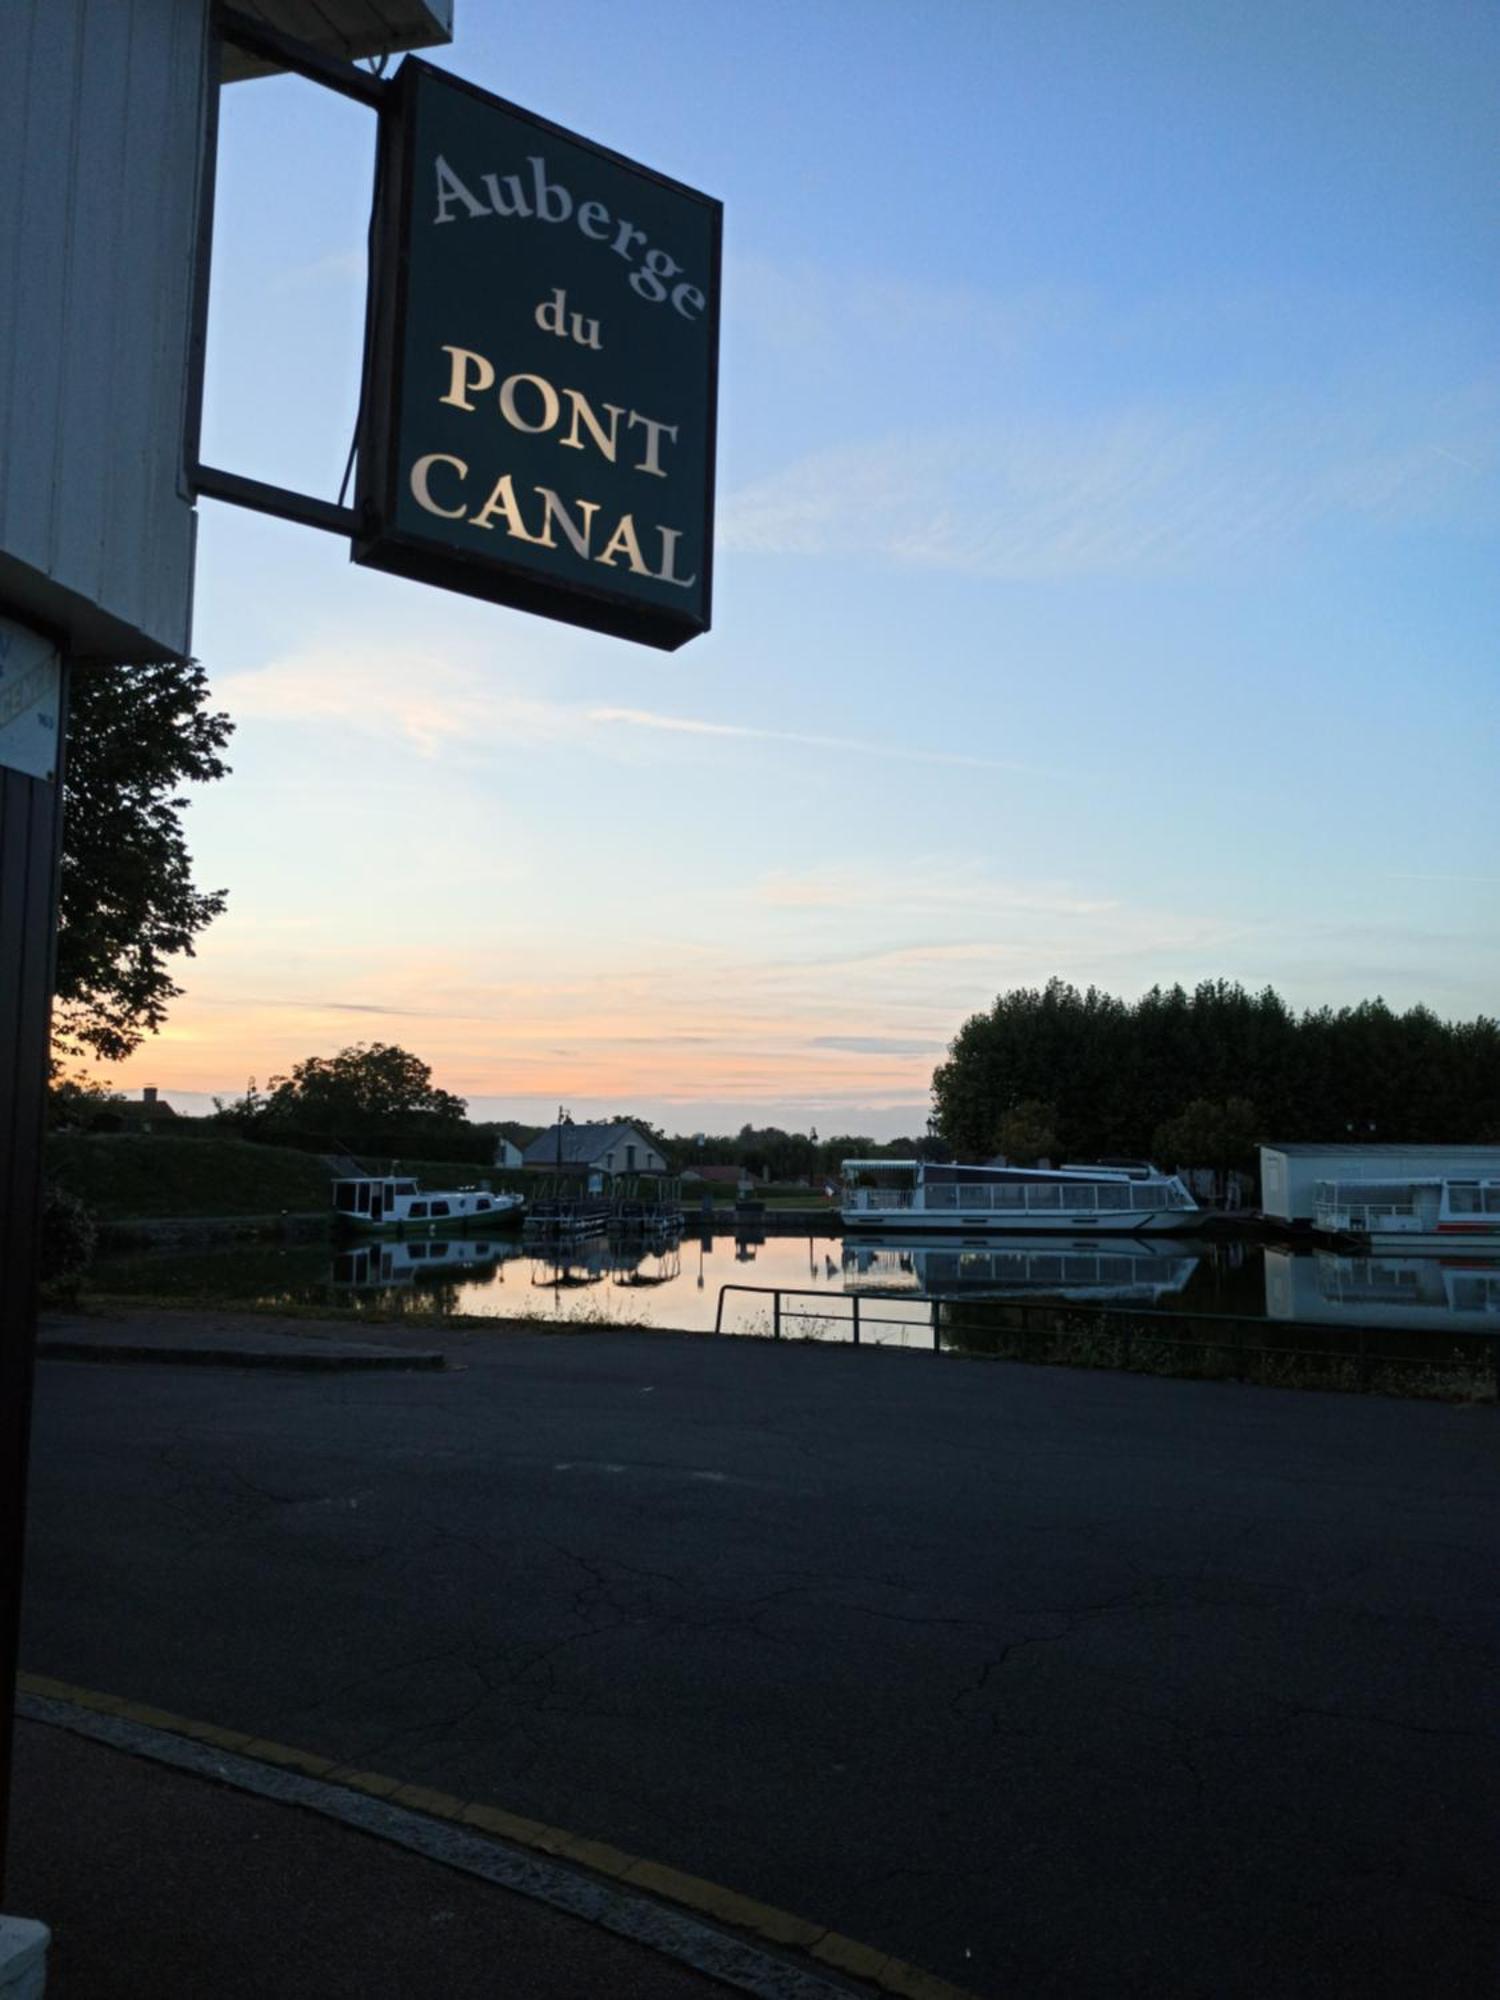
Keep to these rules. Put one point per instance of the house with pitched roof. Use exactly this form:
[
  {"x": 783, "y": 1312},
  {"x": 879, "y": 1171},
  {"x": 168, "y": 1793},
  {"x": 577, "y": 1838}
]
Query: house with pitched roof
[{"x": 593, "y": 1149}]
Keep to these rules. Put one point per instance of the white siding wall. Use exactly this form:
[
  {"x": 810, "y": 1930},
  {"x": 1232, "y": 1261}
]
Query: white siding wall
[{"x": 101, "y": 126}]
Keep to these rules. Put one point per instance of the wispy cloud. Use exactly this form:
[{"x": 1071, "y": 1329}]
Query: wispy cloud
[
  {"x": 927, "y": 883},
  {"x": 687, "y": 725},
  {"x": 811, "y": 311},
  {"x": 876, "y": 1045},
  {"x": 433, "y": 703},
  {"x": 339, "y": 267},
  {"x": 1149, "y": 490},
  {"x": 1406, "y": 875}
]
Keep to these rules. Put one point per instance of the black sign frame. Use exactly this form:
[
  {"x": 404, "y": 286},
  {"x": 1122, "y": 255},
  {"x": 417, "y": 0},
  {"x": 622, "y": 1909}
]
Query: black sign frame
[{"x": 379, "y": 543}]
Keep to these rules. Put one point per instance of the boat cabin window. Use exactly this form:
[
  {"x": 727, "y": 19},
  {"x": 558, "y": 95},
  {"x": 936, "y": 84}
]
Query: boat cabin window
[
  {"x": 417, "y": 1210},
  {"x": 1492, "y": 1198},
  {"x": 346, "y": 1198},
  {"x": 440, "y": 1208},
  {"x": 406, "y": 1187},
  {"x": 483, "y": 1204},
  {"x": 1464, "y": 1198}
]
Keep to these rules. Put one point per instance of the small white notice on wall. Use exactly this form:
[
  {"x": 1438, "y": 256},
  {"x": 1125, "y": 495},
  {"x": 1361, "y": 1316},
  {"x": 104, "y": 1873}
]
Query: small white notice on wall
[{"x": 30, "y": 700}]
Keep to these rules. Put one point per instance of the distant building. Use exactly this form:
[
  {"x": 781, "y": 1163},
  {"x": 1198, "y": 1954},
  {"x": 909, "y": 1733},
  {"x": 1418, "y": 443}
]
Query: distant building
[
  {"x": 507, "y": 1153},
  {"x": 1289, "y": 1174},
  {"x": 601, "y": 1149},
  {"x": 136, "y": 1114}
]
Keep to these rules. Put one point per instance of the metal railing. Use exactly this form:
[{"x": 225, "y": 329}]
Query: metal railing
[
  {"x": 1042, "y": 1197},
  {"x": 942, "y": 1325},
  {"x": 1356, "y": 1218}
]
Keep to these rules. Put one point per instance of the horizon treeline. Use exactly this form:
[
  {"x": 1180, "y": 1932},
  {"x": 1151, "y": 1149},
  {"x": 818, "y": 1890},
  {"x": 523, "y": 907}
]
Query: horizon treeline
[{"x": 1104, "y": 1076}]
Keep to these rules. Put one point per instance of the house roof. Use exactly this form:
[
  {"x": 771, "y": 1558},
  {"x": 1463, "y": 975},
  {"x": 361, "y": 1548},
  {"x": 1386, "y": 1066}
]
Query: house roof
[{"x": 581, "y": 1144}]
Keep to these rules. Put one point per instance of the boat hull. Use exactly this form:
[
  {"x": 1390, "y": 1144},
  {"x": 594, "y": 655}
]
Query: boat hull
[
  {"x": 1065, "y": 1222},
  {"x": 443, "y": 1225},
  {"x": 1455, "y": 1237}
]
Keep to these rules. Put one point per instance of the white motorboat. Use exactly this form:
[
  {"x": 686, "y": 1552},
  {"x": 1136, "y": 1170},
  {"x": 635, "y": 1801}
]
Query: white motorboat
[
  {"x": 906, "y": 1195},
  {"x": 371, "y": 1202}
]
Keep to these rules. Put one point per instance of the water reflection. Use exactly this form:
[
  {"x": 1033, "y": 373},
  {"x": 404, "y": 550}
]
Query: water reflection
[
  {"x": 661, "y": 1281},
  {"x": 636, "y": 1261},
  {"x": 388, "y": 1263},
  {"x": 1447, "y": 1294},
  {"x": 1101, "y": 1270}
]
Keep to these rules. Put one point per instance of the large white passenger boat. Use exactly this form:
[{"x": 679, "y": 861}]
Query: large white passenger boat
[
  {"x": 908, "y": 1195},
  {"x": 1428, "y": 1213}
]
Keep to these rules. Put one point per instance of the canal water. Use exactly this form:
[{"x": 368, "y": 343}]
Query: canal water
[{"x": 679, "y": 1283}]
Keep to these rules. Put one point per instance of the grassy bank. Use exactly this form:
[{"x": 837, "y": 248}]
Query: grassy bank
[{"x": 128, "y": 1176}]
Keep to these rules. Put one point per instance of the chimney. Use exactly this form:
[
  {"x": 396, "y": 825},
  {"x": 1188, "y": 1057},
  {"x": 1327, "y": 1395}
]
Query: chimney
[{"x": 148, "y": 1095}]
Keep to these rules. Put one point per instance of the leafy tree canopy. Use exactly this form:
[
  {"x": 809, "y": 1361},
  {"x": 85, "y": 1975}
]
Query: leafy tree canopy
[
  {"x": 1205, "y": 1134},
  {"x": 1028, "y": 1133},
  {"x": 128, "y": 902},
  {"x": 1115, "y": 1072},
  {"x": 361, "y": 1089}
]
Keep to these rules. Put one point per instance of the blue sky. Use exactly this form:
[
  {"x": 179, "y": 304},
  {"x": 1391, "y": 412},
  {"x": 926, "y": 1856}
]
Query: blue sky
[{"x": 1106, "y": 575}]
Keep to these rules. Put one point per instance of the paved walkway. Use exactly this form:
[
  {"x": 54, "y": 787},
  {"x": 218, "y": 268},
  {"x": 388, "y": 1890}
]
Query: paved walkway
[
  {"x": 158, "y": 1882},
  {"x": 1053, "y": 1682},
  {"x": 231, "y": 1340}
]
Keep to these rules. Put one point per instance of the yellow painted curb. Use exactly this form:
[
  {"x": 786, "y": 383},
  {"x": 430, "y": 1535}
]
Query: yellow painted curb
[
  {"x": 671, "y": 1885},
  {"x": 363, "y": 1781},
  {"x": 293, "y": 1760}
]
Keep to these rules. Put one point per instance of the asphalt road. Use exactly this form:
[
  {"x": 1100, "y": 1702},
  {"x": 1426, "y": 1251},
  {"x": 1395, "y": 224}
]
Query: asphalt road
[{"x": 1053, "y": 1682}]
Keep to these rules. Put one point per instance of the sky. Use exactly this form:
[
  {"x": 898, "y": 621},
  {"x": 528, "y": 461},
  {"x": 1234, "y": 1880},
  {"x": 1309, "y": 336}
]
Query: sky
[{"x": 1106, "y": 579}]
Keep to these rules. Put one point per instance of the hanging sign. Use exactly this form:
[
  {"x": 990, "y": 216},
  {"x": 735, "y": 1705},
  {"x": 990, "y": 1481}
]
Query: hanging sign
[{"x": 541, "y": 368}]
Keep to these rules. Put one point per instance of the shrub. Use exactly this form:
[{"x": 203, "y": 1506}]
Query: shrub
[{"x": 69, "y": 1233}]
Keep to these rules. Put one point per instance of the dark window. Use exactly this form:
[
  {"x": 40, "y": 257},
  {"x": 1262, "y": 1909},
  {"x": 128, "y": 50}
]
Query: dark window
[
  {"x": 419, "y": 1208},
  {"x": 440, "y": 1208}
]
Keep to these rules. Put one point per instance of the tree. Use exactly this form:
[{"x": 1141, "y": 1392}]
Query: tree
[
  {"x": 1115, "y": 1071},
  {"x": 1028, "y": 1133},
  {"x": 1206, "y": 1134},
  {"x": 75, "y": 1101},
  {"x": 360, "y": 1091},
  {"x": 128, "y": 904}
]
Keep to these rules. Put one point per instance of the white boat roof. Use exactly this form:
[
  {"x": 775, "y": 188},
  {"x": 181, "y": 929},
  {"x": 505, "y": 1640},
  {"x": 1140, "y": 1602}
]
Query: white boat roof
[{"x": 1047, "y": 1173}]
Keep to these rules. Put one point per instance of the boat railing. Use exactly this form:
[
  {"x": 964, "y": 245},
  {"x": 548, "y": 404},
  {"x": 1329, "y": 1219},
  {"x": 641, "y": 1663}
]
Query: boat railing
[{"x": 1338, "y": 1215}]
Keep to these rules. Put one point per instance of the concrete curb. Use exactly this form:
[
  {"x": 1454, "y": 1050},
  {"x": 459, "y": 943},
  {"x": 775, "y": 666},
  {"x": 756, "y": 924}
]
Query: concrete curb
[
  {"x": 305, "y": 1359},
  {"x": 662, "y": 1907}
]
